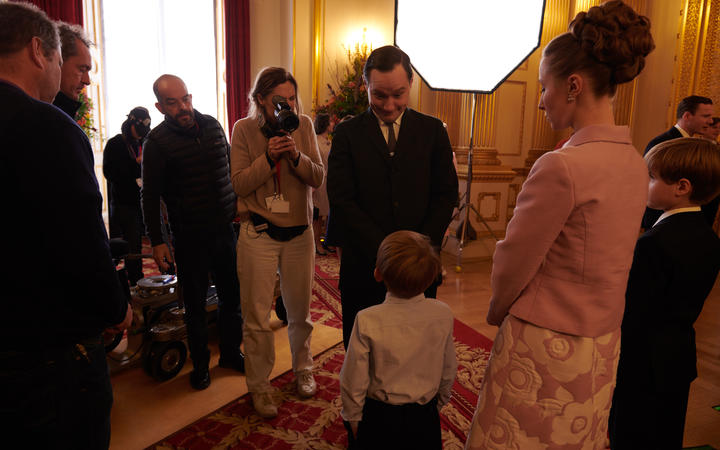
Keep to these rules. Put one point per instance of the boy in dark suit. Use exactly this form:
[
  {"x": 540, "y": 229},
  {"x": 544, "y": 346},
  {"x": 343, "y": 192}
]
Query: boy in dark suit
[{"x": 674, "y": 268}]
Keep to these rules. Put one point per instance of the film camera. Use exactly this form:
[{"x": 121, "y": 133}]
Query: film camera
[{"x": 287, "y": 120}]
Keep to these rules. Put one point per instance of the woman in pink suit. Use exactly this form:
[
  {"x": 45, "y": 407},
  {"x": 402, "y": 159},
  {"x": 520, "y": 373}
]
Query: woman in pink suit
[{"x": 559, "y": 276}]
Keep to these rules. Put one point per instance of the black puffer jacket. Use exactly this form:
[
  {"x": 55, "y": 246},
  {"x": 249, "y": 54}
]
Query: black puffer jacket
[{"x": 188, "y": 168}]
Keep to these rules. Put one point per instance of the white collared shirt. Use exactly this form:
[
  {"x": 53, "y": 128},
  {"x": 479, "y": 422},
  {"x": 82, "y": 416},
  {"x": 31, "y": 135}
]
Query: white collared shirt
[
  {"x": 683, "y": 132},
  {"x": 400, "y": 352},
  {"x": 677, "y": 211},
  {"x": 384, "y": 128}
]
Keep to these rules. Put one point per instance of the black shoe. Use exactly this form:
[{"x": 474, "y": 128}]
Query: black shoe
[
  {"x": 200, "y": 378},
  {"x": 236, "y": 362}
]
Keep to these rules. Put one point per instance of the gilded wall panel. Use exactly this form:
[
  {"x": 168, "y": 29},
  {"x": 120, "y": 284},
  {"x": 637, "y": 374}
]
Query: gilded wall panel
[
  {"x": 488, "y": 209},
  {"x": 709, "y": 74},
  {"x": 512, "y": 97},
  {"x": 513, "y": 191},
  {"x": 555, "y": 21},
  {"x": 698, "y": 62}
]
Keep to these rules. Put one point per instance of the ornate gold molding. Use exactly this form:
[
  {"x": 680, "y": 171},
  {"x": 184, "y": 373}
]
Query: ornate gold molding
[
  {"x": 496, "y": 214},
  {"x": 697, "y": 61},
  {"x": 624, "y": 103},
  {"x": 93, "y": 28},
  {"x": 709, "y": 74},
  {"x": 521, "y": 121},
  {"x": 555, "y": 21},
  {"x": 487, "y": 173},
  {"x": 317, "y": 61},
  {"x": 513, "y": 191},
  {"x": 455, "y": 109},
  {"x": 221, "y": 69}
]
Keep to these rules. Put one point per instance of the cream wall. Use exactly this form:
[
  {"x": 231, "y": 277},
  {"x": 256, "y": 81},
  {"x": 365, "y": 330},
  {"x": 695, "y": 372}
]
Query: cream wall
[
  {"x": 271, "y": 28},
  {"x": 344, "y": 22}
]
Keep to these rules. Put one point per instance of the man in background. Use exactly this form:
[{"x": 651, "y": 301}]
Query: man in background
[
  {"x": 121, "y": 166},
  {"x": 186, "y": 163},
  {"x": 60, "y": 288},
  {"x": 77, "y": 63},
  {"x": 694, "y": 116}
]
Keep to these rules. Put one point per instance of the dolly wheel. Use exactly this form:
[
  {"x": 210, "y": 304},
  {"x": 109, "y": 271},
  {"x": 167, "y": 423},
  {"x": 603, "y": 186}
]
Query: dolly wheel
[{"x": 166, "y": 359}]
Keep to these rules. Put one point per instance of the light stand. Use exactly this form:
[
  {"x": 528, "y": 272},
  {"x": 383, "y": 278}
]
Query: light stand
[{"x": 465, "y": 204}]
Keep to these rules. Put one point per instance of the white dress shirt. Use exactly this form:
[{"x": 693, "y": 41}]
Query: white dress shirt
[
  {"x": 676, "y": 211},
  {"x": 683, "y": 132},
  {"x": 400, "y": 352},
  {"x": 384, "y": 128}
]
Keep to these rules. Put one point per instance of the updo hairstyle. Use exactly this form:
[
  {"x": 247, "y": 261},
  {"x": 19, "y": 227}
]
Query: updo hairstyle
[{"x": 608, "y": 43}]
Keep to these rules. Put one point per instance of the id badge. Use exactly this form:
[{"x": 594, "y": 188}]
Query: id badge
[{"x": 277, "y": 204}]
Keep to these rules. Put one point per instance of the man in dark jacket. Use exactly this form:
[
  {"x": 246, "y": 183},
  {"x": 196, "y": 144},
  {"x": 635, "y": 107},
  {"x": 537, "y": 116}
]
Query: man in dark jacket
[
  {"x": 121, "y": 166},
  {"x": 390, "y": 168},
  {"x": 186, "y": 162},
  {"x": 77, "y": 63},
  {"x": 60, "y": 288},
  {"x": 694, "y": 114}
]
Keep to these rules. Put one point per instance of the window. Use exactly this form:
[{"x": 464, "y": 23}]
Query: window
[{"x": 143, "y": 39}]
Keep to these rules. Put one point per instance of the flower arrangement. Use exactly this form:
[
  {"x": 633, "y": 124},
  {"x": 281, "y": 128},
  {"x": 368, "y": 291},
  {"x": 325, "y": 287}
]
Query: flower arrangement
[
  {"x": 350, "y": 96},
  {"x": 84, "y": 116}
]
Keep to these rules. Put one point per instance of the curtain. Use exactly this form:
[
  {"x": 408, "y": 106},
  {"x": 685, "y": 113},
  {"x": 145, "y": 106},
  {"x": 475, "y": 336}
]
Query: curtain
[
  {"x": 237, "y": 58},
  {"x": 70, "y": 11}
]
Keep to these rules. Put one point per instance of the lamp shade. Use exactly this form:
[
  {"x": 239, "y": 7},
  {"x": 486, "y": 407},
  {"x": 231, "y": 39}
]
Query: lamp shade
[{"x": 467, "y": 45}]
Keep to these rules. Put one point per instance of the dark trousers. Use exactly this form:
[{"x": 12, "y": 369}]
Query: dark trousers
[
  {"x": 56, "y": 398},
  {"x": 199, "y": 254},
  {"x": 642, "y": 417},
  {"x": 359, "y": 290},
  {"x": 411, "y": 426},
  {"x": 127, "y": 222}
]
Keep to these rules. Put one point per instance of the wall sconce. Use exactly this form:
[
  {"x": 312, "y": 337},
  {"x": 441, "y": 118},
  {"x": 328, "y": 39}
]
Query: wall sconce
[{"x": 363, "y": 41}]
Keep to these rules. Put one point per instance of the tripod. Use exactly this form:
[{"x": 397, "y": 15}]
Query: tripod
[{"x": 465, "y": 205}]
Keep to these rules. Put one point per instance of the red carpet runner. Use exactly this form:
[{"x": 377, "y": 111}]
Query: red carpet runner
[{"x": 316, "y": 423}]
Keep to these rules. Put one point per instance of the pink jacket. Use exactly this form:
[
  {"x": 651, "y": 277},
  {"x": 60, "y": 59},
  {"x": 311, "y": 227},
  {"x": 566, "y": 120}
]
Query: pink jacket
[{"x": 565, "y": 259}]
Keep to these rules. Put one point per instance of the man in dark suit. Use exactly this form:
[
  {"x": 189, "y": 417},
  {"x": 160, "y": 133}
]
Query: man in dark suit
[
  {"x": 694, "y": 115},
  {"x": 54, "y": 381},
  {"x": 674, "y": 269},
  {"x": 390, "y": 168}
]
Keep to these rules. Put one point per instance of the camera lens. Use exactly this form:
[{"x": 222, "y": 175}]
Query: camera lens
[{"x": 287, "y": 119}]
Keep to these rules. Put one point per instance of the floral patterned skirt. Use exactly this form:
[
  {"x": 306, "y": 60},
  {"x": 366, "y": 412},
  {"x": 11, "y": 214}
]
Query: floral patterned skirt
[{"x": 545, "y": 390}]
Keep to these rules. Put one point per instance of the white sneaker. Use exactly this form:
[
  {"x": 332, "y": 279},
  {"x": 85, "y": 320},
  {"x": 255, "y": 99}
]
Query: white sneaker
[
  {"x": 306, "y": 385},
  {"x": 264, "y": 405}
]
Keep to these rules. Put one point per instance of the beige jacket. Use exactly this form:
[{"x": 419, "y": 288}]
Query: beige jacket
[{"x": 254, "y": 180}]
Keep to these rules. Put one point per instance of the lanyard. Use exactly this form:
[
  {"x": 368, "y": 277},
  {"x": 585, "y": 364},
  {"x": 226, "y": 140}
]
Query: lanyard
[{"x": 276, "y": 178}]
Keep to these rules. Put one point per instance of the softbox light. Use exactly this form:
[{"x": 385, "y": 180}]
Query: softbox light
[{"x": 467, "y": 45}]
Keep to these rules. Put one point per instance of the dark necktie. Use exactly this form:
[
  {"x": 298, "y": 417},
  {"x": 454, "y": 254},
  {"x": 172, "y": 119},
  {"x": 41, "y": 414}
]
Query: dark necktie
[{"x": 391, "y": 138}]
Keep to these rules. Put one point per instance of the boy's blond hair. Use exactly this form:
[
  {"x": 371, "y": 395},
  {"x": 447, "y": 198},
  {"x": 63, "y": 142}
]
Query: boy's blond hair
[
  {"x": 696, "y": 159},
  {"x": 407, "y": 262}
]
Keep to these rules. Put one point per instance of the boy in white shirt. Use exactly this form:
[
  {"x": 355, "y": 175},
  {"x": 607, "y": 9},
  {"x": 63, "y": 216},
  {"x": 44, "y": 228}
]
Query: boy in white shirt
[{"x": 400, "y": 363}]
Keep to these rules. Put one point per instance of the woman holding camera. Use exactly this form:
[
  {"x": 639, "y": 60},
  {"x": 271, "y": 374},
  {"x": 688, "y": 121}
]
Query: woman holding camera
[{"x": 275, "y": 163}]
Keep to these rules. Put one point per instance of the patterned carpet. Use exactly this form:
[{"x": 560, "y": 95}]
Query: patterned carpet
[{"x": 316, "y": 423}]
